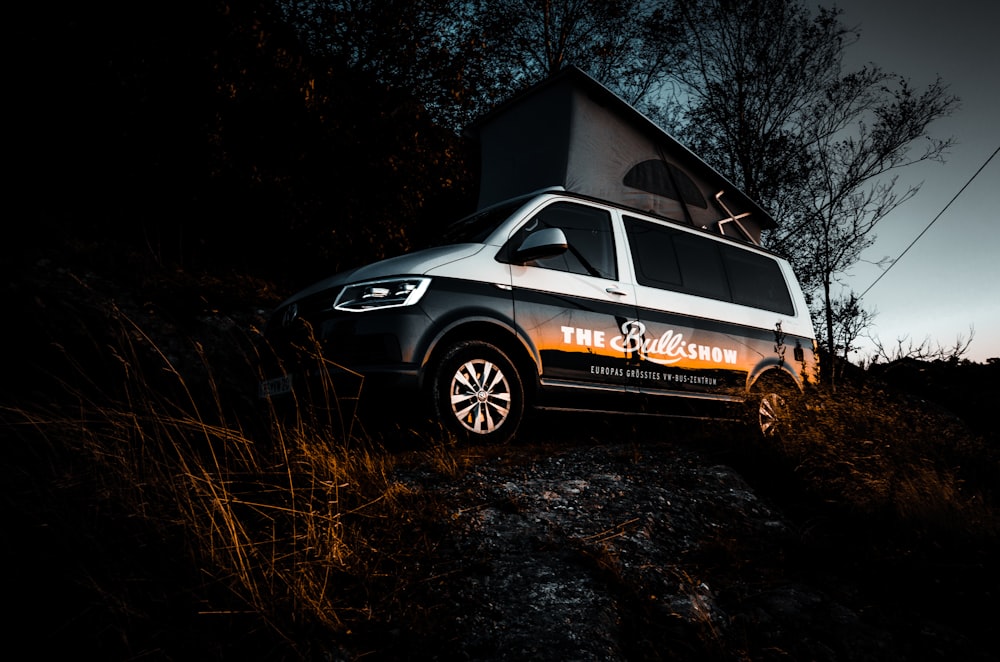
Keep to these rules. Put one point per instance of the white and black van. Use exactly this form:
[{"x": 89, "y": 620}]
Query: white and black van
[{"x": 557, "y": 300}]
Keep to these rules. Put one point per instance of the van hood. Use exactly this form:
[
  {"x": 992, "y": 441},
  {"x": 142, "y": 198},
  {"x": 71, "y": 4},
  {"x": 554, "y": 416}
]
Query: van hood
[{"x": 418, "y": 263}]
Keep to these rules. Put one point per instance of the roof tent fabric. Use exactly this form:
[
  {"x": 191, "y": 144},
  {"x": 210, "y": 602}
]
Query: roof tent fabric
[{"x": 573, "y": 132}]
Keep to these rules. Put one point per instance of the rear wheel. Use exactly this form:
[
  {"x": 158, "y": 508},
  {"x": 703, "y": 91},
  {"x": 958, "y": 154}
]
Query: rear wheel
[
  {"x": 774, "y": 407},
  {"x": 477, "y": 393}
]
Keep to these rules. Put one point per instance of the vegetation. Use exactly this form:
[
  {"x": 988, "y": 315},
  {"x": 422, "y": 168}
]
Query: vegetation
[
  {"x": 818, "y": 145},
  {"x": 163, "y": 493},
  {"x": 188, "y": 165},
  {"x": 173, "y": 514}
]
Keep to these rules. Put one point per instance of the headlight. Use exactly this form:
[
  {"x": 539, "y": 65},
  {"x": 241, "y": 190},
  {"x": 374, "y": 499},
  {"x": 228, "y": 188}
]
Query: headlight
[{"x": 378, "y": 294}]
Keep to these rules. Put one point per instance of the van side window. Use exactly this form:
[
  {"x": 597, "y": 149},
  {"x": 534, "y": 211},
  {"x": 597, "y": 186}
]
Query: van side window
[
  {"x": 588, "y": 232},
  {"x": 701, "y": 267},
  {"x": 756, "y": 280},
  {"x": 653, "y": 255},
  {"x": 670, "y": 259}
]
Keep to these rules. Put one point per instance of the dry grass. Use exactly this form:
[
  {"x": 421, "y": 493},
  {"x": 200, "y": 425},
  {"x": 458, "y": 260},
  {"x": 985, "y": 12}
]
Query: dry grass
[
  {"x": 893, "y": 460},
  {"x": 295, "y": 521},
  {"x": 304, "y": 523}
]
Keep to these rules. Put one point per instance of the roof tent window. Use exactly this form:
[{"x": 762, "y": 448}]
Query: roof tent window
[{"x": 664, "y": 179}]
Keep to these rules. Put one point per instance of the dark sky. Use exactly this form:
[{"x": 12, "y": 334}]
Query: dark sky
[{"x": 950, "y": 279}]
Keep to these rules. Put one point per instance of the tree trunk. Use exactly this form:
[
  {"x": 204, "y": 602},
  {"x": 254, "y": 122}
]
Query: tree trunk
[{"x": 830, "y": 370}]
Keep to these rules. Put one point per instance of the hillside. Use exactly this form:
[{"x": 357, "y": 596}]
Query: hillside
[{"x": 159, "y": 512}]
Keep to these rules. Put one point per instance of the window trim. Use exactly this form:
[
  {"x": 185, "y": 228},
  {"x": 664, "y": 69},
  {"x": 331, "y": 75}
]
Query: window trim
[{"x": 504, "y": 255}]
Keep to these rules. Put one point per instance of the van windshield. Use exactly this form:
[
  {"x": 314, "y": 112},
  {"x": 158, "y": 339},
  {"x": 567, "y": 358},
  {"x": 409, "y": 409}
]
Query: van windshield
[{"x": 476, "y": 228}]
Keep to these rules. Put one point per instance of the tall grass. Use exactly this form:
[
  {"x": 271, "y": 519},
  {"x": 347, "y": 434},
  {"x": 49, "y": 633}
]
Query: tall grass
[
  {"x": 294, "y": 520},
  {"x": 894, "y": 460}
]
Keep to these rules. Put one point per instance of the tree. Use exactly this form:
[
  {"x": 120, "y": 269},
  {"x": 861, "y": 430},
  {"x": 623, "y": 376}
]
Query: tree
[
  {"x": 744, "y": 72},
  {"x": 460, "y": 58},
  {"x": 766, "y": 100},
  {"x": 850, "y": 320},
  {"x": 860, "y": 136},
  {"x": 926, "y": 350},
  {"x": 412, "y": 45},
  {"x": 521, "y": 42}
]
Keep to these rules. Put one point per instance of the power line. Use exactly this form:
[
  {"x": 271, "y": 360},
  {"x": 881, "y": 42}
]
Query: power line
[{"x": 939, "y": 214}]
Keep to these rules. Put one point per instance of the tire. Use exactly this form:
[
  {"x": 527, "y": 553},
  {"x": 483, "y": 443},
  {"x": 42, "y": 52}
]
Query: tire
[
  {"x": 775, "y": 408},
  {"x": 477, "y": 393}
]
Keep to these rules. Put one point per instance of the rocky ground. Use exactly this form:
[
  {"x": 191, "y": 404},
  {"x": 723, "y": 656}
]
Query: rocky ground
[{"x": 652, "y": 550}]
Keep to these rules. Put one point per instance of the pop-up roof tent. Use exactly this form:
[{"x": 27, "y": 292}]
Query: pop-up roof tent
[{"x": 571, "y": 131}]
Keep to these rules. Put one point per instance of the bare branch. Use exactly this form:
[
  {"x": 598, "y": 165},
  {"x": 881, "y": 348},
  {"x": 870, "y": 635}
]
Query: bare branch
[{"x": 926, "y": 350}]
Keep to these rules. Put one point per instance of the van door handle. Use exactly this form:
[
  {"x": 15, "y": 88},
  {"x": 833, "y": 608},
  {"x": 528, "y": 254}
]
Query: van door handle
[{"x": 615, "y": 290}]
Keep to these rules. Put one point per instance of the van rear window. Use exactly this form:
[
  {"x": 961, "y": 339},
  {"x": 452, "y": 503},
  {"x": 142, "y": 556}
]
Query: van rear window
[
  {"x": 671, "y": 259},
  {"x": 756, "y": 281}
]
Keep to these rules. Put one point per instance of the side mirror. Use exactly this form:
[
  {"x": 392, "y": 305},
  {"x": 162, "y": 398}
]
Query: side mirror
[{"x": 548, "y": 242}]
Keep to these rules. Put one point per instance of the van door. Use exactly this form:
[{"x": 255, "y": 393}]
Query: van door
[
  {"x": 692, "y": 344},
  {"x": 573, "y": 306}
]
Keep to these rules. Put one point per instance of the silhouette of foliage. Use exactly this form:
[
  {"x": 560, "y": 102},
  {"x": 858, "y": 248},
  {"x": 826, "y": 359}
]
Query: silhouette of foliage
[{"x": 210, "y": 137}]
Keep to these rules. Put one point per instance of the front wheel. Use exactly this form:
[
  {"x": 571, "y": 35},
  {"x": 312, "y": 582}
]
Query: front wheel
[{"x": 477, "y": 393}]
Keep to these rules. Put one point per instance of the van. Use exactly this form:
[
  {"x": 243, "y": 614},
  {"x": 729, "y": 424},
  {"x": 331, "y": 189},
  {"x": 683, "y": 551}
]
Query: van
[{"x": 557, "y": 300}]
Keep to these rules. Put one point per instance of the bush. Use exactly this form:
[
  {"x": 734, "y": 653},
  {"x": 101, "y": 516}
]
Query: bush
[{"x": 895, "y": 459}]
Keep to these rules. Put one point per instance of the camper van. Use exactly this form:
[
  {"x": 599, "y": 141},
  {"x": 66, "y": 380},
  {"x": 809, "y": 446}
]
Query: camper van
[{"x": 558, "y": 300}]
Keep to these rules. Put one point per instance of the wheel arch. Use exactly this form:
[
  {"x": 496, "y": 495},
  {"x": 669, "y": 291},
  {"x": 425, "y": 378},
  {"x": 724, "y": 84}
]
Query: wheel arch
[
  {"x": 770, "y": 369},
  {"x": 521, "y": 354}
]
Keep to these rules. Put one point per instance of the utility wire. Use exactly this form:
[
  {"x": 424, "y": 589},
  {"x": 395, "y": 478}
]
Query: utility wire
[{"x": 955, "y": 197}]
